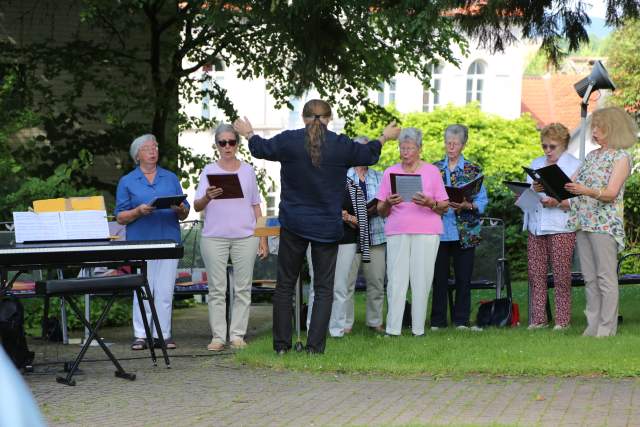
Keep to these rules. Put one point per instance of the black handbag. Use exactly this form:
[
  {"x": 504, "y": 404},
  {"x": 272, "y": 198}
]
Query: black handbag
[
  {"x": 497, "y": 312},
  {"x": 12, "y": 333}
]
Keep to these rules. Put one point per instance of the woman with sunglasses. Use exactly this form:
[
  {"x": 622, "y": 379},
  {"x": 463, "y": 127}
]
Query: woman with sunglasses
[
  {"x": 550, "y": 239},
  {"x": 228, "y": 230}
]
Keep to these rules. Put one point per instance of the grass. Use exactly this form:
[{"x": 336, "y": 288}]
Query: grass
[{"x": 496, "y": 352}]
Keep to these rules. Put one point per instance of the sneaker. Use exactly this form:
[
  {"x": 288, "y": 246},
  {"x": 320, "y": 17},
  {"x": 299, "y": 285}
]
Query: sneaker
[
  {"x": 475, "y": 328},
  {"x": 215, "y": 345},
  {"x": 238, "y": 344},
  {"x": 462, "y": 328},
  {"x": 560, "y": 327},
  {"x": 378, "y": 329},
  {"x": 537, "y": 326},
  {"x": 435, "y": 328}
]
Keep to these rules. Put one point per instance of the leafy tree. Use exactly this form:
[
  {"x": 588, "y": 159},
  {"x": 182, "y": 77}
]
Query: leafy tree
[
  {"x": 623, "y": 64},
  {"x": 20, "y": 188},
  {"x": 127, "y": 75}
]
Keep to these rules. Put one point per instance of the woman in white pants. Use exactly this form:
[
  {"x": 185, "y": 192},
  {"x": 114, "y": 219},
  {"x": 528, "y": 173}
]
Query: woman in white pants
[
  {"x": 413, "y": 231},
  {"x": 229, "y": 225},
  {"x": 135, "y": 192}
]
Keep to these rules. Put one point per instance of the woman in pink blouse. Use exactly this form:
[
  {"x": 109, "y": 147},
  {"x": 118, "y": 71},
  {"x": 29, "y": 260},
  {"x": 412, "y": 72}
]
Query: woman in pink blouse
[
  {"x": 229, "y": 225},
  {"x": 413, "y": 231}
]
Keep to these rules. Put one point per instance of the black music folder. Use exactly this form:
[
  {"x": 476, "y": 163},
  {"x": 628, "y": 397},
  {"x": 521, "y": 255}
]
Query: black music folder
[
  {"x": 230, "y": 184},
  {"x": 517, "y": 187},
  {"x": 552, "y": 179},
  {"x": 406, "y": 185},
  {"x": 165, "y": 202},
  {"x": 467, "y": 191}
]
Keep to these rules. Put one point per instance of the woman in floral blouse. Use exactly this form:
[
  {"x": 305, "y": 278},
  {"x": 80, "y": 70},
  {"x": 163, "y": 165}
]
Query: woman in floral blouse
[
  {"x": 461, "y": 233},
  {"x": 597, "y": 215}
]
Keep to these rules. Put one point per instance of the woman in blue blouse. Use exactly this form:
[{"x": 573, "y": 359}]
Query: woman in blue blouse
[
  {"x": 461, "y": 233},
  {"x": 135, "y": 191}
]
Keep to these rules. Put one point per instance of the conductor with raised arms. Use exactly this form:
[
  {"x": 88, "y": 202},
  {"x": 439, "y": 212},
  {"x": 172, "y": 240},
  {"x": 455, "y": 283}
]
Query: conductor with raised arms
[{"x": 314, "y": 163}]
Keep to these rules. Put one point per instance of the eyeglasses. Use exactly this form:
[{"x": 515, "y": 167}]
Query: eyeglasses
[
  {"x": 149, "y": 148},
  {"x": 224, "y": 142},
  {"x": 549, "y": 146}
]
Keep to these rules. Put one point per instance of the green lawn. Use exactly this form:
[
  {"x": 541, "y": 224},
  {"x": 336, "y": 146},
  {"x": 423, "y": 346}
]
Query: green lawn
[{"x": 513, "y": 351}]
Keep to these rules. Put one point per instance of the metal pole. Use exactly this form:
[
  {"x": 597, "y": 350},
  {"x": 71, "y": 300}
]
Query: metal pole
[{"x": 583, "y": 129}]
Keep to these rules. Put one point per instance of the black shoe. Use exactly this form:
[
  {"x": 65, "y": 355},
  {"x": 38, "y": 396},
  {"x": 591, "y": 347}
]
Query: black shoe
[{"x": 311, "y": 351}]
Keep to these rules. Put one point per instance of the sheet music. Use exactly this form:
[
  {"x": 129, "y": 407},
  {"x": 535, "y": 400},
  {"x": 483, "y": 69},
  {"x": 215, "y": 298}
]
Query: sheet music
[
  {"x": 408, "y": 185},
  {"x": 85, "y": 225},
  {"x": 65, "y": 225},
  {"x": 31, "y": 226},
  {"x": 528, "y": 200}
]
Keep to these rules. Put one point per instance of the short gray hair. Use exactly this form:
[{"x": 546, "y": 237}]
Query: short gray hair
[
  {"x": 225, "y": 127},
  {"x": 361, "y": 139},
  {"x": 137, "y": 143},
  {"x": 459, "y": 131},
  {"x": 410, "y": 134}
]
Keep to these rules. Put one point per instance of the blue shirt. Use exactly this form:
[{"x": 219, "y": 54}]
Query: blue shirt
[
  {"x": 372, "y": 181},
  {"x": 134, "y": 189},
  {"x": 311, "y": 197},
  {"x": 481, "y": 200}
]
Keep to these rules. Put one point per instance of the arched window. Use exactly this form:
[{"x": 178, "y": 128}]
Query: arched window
[
  {"x": 475, "y": 81},
  {"x": 431, "y": 94}
]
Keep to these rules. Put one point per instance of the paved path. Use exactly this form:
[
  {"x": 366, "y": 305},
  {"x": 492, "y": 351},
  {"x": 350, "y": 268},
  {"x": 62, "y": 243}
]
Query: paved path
[{"x": 211, "y": 390}]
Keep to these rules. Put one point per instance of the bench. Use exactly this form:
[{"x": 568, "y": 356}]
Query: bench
[{"x": 192, "y": 277}]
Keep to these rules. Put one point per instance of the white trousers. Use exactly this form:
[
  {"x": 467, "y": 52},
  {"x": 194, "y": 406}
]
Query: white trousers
[
  {"x": 161, "y": 275},
  {"x": 410, "y": 260},
  {"x": 374, "y": 275},
  {"x": 337, "y": 322},
  {"x": 215, "y": 254}
]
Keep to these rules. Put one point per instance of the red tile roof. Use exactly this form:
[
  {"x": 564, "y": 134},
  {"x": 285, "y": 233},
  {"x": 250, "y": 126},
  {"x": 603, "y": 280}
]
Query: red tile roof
[{"x": 552, "y": 98}]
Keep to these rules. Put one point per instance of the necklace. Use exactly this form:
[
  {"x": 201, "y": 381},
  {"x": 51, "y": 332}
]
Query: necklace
[{"x": 413, "y": 168}]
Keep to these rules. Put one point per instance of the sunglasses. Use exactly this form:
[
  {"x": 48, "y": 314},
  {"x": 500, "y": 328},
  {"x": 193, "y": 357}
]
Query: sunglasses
[
  {"x": 549, "y": 146},
  {"x": 224, "y": 142}
]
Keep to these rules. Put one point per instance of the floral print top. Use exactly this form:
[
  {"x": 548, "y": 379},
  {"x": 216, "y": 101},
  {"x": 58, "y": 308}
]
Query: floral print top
[
  {"x": 589, "y": 214},
  {"x": 467, "y": 222}
]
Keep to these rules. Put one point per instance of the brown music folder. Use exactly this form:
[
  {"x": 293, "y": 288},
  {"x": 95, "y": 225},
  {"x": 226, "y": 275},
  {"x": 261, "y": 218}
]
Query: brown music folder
[{"x": 230, "y": 184}]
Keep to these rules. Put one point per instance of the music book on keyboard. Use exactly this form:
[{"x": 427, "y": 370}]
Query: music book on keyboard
[{"x": 60, "y": 226}]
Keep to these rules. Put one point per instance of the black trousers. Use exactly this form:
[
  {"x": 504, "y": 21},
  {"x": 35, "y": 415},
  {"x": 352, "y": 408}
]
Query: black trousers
[
  {"x": 462, "y": 268},
  {"x": 291, "y": 254}
]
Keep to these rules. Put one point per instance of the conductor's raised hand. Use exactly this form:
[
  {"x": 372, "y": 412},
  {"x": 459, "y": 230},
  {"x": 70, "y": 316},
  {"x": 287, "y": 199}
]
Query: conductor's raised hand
[
  {"x": 390, "y": 132},
  {"x": 243, "y": 127},
  {"x": 213, "y": 192}
]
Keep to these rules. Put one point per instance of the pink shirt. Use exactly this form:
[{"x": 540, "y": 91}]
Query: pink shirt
[
  {"x": 230, "y": 218},
  {"x": 407, "y": 217}
]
